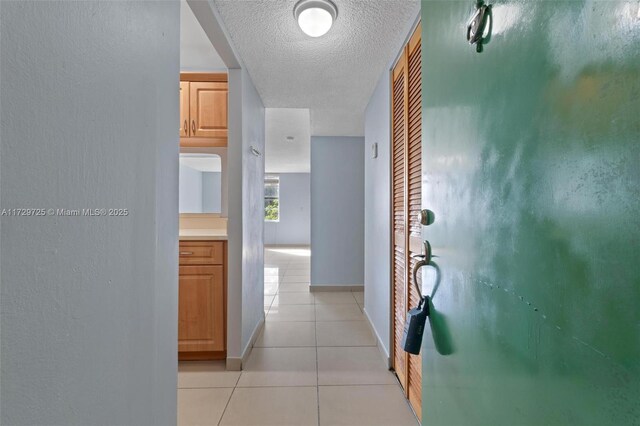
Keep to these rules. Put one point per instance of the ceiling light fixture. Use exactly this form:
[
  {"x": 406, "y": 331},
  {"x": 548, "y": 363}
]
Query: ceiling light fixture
[{"x": 315, "y": 17}]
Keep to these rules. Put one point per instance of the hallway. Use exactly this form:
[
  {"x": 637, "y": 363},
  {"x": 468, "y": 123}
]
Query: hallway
[{"x": 314, "y": 363}]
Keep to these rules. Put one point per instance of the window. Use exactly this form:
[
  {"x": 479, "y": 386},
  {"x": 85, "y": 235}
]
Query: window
[{"x": 271, "y": 198}]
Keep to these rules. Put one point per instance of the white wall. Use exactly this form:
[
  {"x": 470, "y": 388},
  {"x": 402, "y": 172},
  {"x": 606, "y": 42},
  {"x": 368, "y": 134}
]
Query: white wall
[
  {"x": 212, "y": 192},
  {"x": 89, "y": 304},
  {"x": 294, "y": 226},
  {"x": 246, "y": 214},
  {"x": 196, "y": 51},
  {"x": 190, "y": 190},
  {"x": 253, "y": 127},
  {"x": 337, "y": 208},
  {"x": 223, "y": 154},
  {"x": 377, "y": 220}
]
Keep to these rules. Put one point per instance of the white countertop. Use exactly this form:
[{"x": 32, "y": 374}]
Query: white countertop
[{"x": 203, "y": 234}]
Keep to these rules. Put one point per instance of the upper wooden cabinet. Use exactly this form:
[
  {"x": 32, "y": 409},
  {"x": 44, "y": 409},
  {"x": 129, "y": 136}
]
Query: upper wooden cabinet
[
  {"x": 203, "y": 106},
  {"x": 184, "y": 109},
  {"x": 208, "y": 109}
]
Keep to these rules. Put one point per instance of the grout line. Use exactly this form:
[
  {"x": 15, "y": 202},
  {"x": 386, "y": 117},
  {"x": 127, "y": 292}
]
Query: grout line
[
  {"x": 317, "y": 364},
  {"x": 210, "y": 387},
  {"x": 227, "y": 404}
]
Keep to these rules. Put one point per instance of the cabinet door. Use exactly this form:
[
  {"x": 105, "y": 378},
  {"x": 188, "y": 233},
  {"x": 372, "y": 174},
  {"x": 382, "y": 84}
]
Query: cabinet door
[
  {"x": 201, "y": 309},
  {"x": 208, "y": 112},
  {"x": 184, "y": 108},
  {"x": 201, "y": 253}
]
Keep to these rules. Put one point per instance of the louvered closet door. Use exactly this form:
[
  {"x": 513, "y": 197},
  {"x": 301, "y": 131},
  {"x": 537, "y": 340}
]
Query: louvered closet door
[
  {"x": 398, "y": 104},
  {"x": 414, "y": 160},
  {"x": 407, "y": 184}
]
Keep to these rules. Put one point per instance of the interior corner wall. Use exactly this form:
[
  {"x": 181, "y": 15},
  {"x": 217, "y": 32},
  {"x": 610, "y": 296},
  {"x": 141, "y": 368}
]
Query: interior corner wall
[
  {"x": 377, "y": 220},
  {"x": 253, "y": 135},
  {"x": 337, "y": 209},
  {"x": 212, "y": 192},
  {"x": 190, "y": 190},
  {"x": 245, "y": 263},
  {"x": 294, "y": 226},
  {"x": 89, "y": 304},
  {"x": 235, "y": 153}
]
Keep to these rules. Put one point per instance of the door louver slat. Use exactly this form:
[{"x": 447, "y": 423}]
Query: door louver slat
[{"x": 406, "y": 164}]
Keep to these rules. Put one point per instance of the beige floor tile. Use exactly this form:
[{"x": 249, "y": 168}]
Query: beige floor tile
[
  {"x": 359, "y": 296},
  {"x": 280, "y": 367},
  {"x": 297, "y": 273},
  {"x": 339, "y": 312},
  {"x": 273, "y": 271},
  {"x": 377, "y": 405},
  {"x": 296, "y": 279},
  {"x": 353, "y": 366},
  {"x": 270, "y": 288},
  {"x": 344, "y": 333},
  {"x": 205, "y": 374},
  {"x": 302, "y": 298},
  {"x": 293, "y": 406},
  {"x": 268, "y": 300},
  {"x": 293, "y": 287},
  {"x": 287, "y": 334},
  {"x": 273, "y": 280},
  {"x": 298, "y": 269},
  {"x": 201, "y": 406},
  {"x": 293, "y": 261},
  {"x": 335, "y": 298},
  {"x": 291, "y": 313}
]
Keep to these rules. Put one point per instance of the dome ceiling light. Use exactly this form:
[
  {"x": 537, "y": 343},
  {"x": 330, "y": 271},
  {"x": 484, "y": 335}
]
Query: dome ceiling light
[{"x": 315, "y": 17}]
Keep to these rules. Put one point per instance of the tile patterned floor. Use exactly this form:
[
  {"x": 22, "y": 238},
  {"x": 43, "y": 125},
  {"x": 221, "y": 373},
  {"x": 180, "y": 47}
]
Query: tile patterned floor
[{"x": 314, "y": 363}]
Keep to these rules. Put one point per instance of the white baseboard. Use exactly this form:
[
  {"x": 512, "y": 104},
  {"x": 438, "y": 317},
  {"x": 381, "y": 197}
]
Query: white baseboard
[
  {"x": 320, "y": 288},
  {"x": 236, "y": 364},
  {"x": 252, "y": 340},
  {"x": 383, "y": 352}
]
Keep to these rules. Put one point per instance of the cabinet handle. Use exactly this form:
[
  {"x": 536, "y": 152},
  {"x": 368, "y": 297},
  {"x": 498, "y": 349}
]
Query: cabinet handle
[
  {"x": 186, "y": 253},
  {"x": 193, "y": 127},
  {"x": 186, "y": 127}
]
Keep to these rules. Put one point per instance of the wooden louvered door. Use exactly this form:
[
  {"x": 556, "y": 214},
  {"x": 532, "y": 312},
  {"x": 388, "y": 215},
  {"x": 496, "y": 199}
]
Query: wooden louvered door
[
  {"x": 398, "y": 190},
  {"x": 406, "y": 122}
]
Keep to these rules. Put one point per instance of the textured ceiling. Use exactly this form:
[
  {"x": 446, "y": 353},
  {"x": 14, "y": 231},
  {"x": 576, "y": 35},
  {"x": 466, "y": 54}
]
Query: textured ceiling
[
  {"x": 282, "y": 155},
  {"x": 196, "y": 51},
  {"x": 334, "y": 75}
]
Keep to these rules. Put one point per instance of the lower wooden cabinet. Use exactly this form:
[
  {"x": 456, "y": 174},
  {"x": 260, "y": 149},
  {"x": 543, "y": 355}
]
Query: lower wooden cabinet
[{"x": 202, "y": 302}]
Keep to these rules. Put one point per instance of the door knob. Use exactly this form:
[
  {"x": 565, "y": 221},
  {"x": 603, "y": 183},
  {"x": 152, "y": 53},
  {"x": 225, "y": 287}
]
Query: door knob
[
  {"x": 424, "y": 259},
  {"x": 417, "y": 317},
  {"x": 426, "y": 217}
]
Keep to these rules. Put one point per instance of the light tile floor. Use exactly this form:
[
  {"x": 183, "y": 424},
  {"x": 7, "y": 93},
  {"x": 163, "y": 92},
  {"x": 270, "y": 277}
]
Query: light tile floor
[{"x": 314, "y": 363}]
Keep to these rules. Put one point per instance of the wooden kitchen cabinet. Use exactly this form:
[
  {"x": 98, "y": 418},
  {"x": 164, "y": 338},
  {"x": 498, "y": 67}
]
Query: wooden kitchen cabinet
[
  {"x": 202, "y": 300},
  {"x": 184, "y": 109},
  {"x": 204, "y": 105}
]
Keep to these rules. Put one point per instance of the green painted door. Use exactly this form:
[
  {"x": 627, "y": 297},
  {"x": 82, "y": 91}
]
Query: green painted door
[{"x": 531, "y": 160}]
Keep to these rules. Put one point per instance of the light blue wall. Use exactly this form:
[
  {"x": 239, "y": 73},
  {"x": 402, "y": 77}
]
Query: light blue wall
[
  {"x": 294, "y": 226},
  {"x": 211, "y": 192},
  {"x": 252, "y": 210},
  {"x": 245, "y": 295},
  {"x": 89, "y": 305},
  {"x": 377, "y": 220},
  {"x": 337, "y": 209},
  {"x": 190, "y": 190}
]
